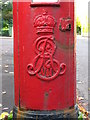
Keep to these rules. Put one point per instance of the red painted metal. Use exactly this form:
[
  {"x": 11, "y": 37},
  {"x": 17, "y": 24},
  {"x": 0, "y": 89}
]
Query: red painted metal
[
  {"x": 44, "y": 56},
  {"x": 65, "y": 24}
]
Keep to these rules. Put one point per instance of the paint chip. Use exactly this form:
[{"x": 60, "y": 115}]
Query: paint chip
[
  {"x": 6, "y": 66},
  {"x": 5, "y": 108},
  {"x": 11, "y": 72},
  {"x": 79, "y": 82},
  {"x": 4, "y": 92},
  {"x": 6, "y": 51},
  {"x": 6, "y": 71},
  {"x": 80, "y": 98},
  {"x": 0, "y": 105}
]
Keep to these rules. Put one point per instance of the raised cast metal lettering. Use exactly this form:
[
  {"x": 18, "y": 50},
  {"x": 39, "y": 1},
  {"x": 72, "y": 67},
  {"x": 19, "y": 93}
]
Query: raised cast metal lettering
[
  {"x": 44, "y": 65},
  {"x": 65, "y": 24}
]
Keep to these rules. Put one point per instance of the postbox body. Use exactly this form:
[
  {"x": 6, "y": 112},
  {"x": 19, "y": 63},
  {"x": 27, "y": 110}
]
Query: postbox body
[{"x": 44, "y": 55}]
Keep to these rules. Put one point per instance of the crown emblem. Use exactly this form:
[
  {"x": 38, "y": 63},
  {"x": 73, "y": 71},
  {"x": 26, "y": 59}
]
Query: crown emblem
[{"x": 44, "y": 23}]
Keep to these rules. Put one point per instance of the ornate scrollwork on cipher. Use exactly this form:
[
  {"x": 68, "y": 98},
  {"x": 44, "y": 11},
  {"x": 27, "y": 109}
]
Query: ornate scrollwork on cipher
[{"x": 44, "y": 65}]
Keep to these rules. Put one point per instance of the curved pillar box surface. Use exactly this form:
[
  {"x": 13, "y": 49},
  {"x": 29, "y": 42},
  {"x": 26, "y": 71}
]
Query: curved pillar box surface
[{"x": 44, "y": 60}]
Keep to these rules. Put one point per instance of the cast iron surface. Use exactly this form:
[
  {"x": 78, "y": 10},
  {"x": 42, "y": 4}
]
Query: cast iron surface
[{"x": 45, "y": 115}]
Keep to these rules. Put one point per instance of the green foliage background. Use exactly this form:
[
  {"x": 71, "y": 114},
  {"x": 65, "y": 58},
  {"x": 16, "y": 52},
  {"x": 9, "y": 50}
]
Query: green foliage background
[
  {"x": 6, "y": 19},
  {"x": 78, "y": 26}
]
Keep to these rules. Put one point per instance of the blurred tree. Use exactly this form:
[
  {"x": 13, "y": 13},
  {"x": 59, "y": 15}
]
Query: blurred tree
[
  {"x": 7, "y": 16},
  {"x": 7, "y": 11},
  {"x": 78, "y": 26},
  {"x": 0, "y": 16}
]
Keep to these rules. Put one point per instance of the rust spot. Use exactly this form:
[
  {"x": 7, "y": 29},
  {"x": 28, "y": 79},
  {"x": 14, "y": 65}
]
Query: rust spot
[
  {"x": 46, "y": 94},
  {"x": 36, "y": 117},
  {"x": 23, "y": 109}
]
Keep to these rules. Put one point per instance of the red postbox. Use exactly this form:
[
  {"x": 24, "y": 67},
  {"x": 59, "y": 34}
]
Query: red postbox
[{"x": 44, "y": 60}]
